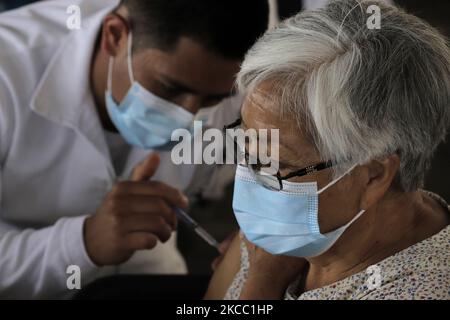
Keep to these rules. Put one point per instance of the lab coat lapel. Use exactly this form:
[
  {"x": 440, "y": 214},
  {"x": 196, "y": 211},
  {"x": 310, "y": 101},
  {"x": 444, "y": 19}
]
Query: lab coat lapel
[{"x": 64, "y": 93}]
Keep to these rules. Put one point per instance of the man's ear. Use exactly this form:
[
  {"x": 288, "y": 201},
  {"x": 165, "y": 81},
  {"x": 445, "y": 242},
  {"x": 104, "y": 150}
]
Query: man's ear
[
  {"x": 114, "y": 34},
  {"x": 380, "y": 175}
]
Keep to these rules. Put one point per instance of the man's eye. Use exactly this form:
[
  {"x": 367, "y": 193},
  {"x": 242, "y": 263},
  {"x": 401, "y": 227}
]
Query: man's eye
[{"x": 172, "y": 91}]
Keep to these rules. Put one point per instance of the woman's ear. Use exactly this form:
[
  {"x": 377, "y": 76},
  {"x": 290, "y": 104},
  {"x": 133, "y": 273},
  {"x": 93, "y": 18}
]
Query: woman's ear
[
  {"x": 114, "y": 35},
  {"x": 380, "y": 175}
]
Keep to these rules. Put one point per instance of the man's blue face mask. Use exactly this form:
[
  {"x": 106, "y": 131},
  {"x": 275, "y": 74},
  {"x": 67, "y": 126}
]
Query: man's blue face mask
[
  {"x": 142, "y": 118},
  {"x": 282, "y": 222}
]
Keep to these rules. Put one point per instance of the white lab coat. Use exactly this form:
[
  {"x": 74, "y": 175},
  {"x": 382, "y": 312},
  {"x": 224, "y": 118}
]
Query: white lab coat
[{"x": 55, "y": 167}]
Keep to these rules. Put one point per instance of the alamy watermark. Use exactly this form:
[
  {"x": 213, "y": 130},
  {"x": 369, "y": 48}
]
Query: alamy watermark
[
  {"x": 73, "y": 22},
  {"x": 374, "y": 21},
  {"x": 73, "y": 281},
  {"x": 230, "y": 146}
]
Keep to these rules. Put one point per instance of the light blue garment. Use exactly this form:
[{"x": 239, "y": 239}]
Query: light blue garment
[
  {"x": 282, "y": 222},
  {"x": 143, "y": 119}
]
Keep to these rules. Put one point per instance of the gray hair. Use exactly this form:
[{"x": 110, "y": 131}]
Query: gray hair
[{"x": 360, "y": 93}]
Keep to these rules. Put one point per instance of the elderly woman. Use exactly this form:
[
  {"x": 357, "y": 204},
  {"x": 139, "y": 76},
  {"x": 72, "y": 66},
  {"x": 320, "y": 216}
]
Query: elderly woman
[{"x": 360, "y": 113}]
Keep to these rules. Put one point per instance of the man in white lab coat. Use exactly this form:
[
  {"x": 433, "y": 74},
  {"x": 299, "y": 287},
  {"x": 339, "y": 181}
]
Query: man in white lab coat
[{"x": 75, "y": 140}]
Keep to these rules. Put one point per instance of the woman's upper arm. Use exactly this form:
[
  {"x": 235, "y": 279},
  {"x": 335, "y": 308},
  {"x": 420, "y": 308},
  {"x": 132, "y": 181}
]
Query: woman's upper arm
[{"x": 225, "y": 271}]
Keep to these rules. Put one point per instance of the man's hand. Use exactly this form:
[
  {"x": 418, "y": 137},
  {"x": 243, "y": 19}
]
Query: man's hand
[
  {"x": 269, "y": 275},
  {"x": 133, "y": 216}
]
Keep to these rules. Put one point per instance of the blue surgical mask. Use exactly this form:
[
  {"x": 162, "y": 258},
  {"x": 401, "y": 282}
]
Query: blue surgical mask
[
  {"x": 282, "y": 222},
  {"x": 142, "y": 118}
]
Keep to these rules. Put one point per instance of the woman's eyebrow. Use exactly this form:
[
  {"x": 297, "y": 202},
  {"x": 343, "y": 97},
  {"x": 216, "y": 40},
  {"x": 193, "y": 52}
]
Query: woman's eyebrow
[
  {"x": 286, "y": 164},
  {"x": 283, "y": 164}
]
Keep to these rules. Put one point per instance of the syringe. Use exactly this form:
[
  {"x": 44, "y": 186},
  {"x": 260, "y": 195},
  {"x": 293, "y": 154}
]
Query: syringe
[{"x": 191, "y": 223}]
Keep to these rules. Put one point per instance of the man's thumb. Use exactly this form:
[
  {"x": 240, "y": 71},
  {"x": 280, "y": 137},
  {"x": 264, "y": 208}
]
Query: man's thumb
[{"x": 146, "y": 169}]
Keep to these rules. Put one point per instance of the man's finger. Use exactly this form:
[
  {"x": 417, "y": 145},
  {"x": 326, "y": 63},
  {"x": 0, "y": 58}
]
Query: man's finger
[
  {"x": 216, "y": 262},
  {"x": 155, "y": 189},
  {"x": 146, "y": 169},
  {"x": 151, "y": 224},
  {"x": 140, "y": 241},
  {"x": 145, "y": 207}
]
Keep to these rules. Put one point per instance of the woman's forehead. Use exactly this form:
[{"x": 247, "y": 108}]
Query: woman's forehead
[
  {"x": 261, "y": 111},
  {"x": 261, "y": 108}
]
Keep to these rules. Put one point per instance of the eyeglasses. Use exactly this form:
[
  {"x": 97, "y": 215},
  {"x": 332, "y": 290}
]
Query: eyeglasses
[{"x": 269, "y": 181}]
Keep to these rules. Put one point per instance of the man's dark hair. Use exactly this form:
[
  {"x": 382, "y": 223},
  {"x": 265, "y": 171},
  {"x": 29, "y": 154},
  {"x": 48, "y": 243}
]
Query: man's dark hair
[{"x": 226, "y": 27}]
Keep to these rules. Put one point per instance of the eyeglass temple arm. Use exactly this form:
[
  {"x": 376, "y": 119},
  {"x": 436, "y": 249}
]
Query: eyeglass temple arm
[{"x": 308, "y": 170}]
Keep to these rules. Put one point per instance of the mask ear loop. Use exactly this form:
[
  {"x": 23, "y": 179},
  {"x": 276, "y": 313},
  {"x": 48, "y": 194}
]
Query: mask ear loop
[
  {"x": 129, "y": 63},
  {"x": 110, "y": 70},
  {"x": 336, "y": 180},
  {"x": 356, "y": 217},
  {"x": 130, "y": 59}
]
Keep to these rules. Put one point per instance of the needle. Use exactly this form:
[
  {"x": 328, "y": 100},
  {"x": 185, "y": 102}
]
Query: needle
[{"x": 191, "y": 223}]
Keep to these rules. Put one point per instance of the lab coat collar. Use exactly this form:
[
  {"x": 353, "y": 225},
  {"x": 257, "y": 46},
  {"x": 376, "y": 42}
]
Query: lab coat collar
[{"x": 65, "y": 84}]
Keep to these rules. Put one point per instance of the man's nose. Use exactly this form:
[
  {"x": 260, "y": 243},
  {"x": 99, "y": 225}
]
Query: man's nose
[{"x": 191, "y": 103}]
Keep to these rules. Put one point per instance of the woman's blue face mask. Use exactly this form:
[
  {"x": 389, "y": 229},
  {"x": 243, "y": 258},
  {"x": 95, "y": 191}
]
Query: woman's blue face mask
[
  {"x": 142, "y": 118},
  {"x": 283, "y": 222}
]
